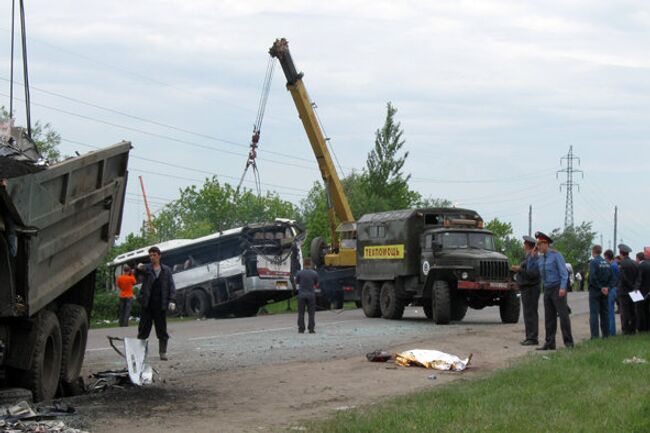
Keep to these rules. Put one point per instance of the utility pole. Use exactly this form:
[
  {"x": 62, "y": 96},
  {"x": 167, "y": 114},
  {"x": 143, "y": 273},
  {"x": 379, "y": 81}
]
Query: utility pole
[
  {"x": 150, "y": 226},
  {"x": 530, "y": 220},
  {"x": 615, "y": 225},
  {"x": 570, "y": 170},
  {"x": 601, "y": 239}
]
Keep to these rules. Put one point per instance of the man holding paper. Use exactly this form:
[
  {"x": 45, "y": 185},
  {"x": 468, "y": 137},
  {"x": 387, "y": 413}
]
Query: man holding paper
[{"x": 642, "y": 308}]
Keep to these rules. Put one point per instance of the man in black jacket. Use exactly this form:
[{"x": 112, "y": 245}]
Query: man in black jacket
[
  {"x": 528, "y": 279},
  {"x": 629, "y": 271},
  {"x": 601, "y": 279},
  {"x": 157, "y": 296},
  {"x": 642, "y": 308}
]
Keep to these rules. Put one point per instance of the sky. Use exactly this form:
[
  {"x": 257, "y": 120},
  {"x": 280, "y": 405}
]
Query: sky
[{"x": 490, "y": 94}]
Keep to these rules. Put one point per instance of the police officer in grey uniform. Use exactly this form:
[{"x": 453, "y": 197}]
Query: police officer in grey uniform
[
  {"x": 555, "y": 277},
  {"x": 628, "y": 272},
  {"x": 528, "y": 278}
]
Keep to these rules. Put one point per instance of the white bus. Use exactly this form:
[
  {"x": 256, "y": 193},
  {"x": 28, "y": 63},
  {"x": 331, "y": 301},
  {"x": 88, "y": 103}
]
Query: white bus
[{"x": 236, "y": 271}]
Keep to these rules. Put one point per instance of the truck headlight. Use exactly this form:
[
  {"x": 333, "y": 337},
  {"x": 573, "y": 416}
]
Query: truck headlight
[{"x": 464, "y": 275}]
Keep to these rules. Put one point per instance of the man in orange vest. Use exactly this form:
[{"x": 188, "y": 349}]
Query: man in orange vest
[{"x": 125, "y": 283}]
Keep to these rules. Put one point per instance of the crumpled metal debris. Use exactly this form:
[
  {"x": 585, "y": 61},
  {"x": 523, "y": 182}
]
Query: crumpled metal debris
[
  {"x": 109, "y": 379},
  {"x": 135, "y": 353},
  {"x": 432, "y": 359},
  {"x": 634, "y": 360},
  {"x": 379, "y": 356},
  {"x": 22, "y": 417}
]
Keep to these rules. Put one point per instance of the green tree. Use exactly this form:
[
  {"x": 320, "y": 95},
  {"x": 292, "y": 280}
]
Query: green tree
[
  {"x": 214, "y": 206},
  {"x": 45, "y": 137},
  {"x": 505, "y": 240},
  {"x": 575, "y": 244},
  {"x": 385, "y": 180}
]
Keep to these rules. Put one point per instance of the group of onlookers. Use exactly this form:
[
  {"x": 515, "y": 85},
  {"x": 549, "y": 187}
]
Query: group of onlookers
[{"x": 612, "y": 280}]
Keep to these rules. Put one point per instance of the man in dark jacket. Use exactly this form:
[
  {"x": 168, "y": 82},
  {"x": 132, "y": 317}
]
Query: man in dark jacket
[
  {"x": 600, "y": 279},
  {"x": 528, "y": 279},
  {"x": 157, "y": 296},
  {"x": 642, "y": 308},
  {"x": 307, "y": 280},
  {"x": 629, "y": 271}
]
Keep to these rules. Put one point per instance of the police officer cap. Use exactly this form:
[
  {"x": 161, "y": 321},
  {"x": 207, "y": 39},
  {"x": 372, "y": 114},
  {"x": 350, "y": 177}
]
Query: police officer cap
[
  {"x": 624, "y": 248},
  {"x": 529, "y": 239},
  {"x": 543, "y": 237}
]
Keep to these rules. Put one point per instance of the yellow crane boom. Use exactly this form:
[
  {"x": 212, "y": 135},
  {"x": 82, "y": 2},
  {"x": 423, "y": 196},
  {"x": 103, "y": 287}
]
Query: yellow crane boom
[{"x": 338, "y": 206}]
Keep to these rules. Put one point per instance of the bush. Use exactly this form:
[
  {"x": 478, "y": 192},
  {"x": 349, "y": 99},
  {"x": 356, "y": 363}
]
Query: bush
[{"x": 107, "y": 307}]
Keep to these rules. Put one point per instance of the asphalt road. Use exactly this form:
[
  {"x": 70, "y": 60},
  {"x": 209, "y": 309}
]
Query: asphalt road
[{"x": 213, "y": 345}]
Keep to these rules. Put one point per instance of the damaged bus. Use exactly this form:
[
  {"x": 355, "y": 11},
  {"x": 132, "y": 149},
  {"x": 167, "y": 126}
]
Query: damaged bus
[{"x": 236, "y": 271}]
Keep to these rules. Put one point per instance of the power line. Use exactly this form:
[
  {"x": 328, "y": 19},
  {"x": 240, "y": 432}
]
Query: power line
[{"x": 193, "y": 169}]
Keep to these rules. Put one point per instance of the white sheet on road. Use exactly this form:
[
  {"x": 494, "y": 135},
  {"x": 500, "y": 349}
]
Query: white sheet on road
[
  {"x": 432, "y": 359},
  {"x": 140, "y": 372}
]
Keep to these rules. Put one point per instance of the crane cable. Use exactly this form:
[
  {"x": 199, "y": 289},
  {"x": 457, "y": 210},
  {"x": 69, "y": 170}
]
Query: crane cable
[{"x": 251, "y": 161}]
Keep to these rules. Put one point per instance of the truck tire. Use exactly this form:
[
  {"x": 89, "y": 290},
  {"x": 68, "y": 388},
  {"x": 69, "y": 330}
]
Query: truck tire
[
  {"x": 244, "y": 309},
  {"x": 74, "y": 334},
  {"x": 11, "y": 396},
  {"x": 316, "y": 251},
  {"x": 370, "y": 299},
  {"x": 459, "y": 307},
  {"x": 197, "y": 303},
  {"x": 441, "y": 303},
  {"x": 42, "y": 376},
  {"x": 323, "y": 303},
  {"x": 509, "y": 307},
  {"x": 392, "y": 307}
]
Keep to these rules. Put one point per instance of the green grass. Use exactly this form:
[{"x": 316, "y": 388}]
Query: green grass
[{"x": 587, "y": 389}]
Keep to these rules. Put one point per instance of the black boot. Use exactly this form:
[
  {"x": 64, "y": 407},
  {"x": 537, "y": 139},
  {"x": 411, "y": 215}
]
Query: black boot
[{"x": 162, "y": 349}]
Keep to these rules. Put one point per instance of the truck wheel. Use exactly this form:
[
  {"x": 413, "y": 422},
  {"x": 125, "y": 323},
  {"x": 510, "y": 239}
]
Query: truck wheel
[
  {"x": 428, "y": 308},
  {"x": 441, "y": 303},
  {"x": 42, "y": 376},
  {"x": 74, "y": 334},
  {"x": 245, "y": 310},
  {"x": 323, "y": 303},
  {"x": 459, "y": 307},
  {"x": 392, "y": 307},
  {"x": 370, "y": 299},
  {"x": 197, "y": 303},
  {"x": 509, "y": 307},
  {"x": 316, "y": 252}
]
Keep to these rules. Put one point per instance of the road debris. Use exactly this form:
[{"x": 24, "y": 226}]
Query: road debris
[
  {"x": 22, "y": 417},
  {"x": 380, "y": 356},
  {"x": 635, "y": 360},
  {"x": 432, "y": 359},
  {"x": 135, "y": 352}
]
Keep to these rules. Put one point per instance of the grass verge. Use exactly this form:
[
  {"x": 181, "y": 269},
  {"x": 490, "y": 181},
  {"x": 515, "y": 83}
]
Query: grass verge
[{"x": 587, "y": 389}]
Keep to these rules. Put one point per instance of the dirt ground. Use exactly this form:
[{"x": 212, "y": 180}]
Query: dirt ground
[{"x": 272, "y": 397}]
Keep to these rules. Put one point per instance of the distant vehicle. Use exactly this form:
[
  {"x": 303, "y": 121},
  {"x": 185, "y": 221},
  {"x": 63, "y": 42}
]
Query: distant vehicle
[
  {"x": 57, "y": 223},
  {"x": 439, "y": 258},
  {"x": 236, "y": 271}
]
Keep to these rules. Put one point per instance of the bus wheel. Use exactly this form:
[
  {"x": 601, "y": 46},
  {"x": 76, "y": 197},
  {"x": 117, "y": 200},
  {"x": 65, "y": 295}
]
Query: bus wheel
[{"x": 197, "y": 303}]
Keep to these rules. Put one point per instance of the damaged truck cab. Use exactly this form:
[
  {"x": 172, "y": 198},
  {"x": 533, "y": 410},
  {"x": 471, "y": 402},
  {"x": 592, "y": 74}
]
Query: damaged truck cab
[{"x": 439, "y": 258}]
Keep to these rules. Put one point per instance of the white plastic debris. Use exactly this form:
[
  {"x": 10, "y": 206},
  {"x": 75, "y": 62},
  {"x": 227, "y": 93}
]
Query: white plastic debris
[
  {"x": 432, "y": 359},
  {"x": 140, "y": 372},
  {"x": 634, "y": 360}
]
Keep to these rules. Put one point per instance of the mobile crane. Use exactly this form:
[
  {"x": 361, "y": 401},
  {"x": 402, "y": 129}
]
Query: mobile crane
[{"x": 335, "y": 263}]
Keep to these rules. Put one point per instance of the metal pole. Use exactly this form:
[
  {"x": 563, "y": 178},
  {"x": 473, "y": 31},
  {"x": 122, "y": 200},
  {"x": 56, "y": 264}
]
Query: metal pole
[
  {"x": 615, "y": 227},
  {"x": 530, "y": 220},
  {"x": 11, "y": 61}
]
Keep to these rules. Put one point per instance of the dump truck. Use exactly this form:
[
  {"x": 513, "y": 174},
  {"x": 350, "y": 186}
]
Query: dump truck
[
  {"x": 58, "y": 222},
  {"x": 442, "y": 259}
]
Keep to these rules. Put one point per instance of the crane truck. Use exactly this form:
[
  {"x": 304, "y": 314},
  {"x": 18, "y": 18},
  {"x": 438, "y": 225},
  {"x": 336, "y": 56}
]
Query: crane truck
[
  {"x": 442, "y": 259},
  {"x": 57, "y": 222}
]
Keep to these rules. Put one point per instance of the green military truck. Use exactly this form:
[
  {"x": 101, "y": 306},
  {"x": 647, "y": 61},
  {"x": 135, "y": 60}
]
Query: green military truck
[
  {"x": 57, "y": 222},
  {"x": 439, "y": 258}
]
